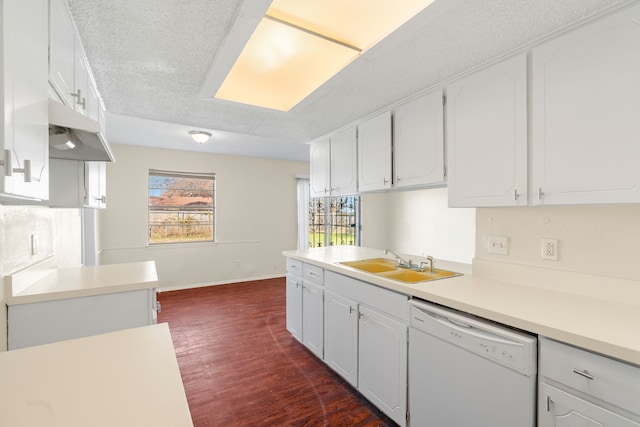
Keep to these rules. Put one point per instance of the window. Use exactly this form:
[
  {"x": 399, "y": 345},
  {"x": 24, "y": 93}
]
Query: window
[
  {"x": 181, "y": 207},
  {"x": 334, "y": 221}
]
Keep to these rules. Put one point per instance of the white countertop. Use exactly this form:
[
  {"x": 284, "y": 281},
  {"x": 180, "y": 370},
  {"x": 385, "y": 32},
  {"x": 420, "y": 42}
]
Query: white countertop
[
  {"x": 596, "y": 313},
  {"x": 125, "y": 378},
  {"x": 54, "y": 284}
]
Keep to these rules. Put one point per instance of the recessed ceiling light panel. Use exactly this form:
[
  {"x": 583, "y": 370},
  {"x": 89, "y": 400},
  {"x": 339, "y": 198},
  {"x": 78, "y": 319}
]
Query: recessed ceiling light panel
[{"x": 299, "y": 45}]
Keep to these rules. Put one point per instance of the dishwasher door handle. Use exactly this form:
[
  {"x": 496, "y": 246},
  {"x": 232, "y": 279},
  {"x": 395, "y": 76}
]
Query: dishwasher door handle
[{"x": 471, "y": 330}]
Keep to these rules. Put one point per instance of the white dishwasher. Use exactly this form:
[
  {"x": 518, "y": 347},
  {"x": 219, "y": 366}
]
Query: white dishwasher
[{"x": 465, "y": 372}]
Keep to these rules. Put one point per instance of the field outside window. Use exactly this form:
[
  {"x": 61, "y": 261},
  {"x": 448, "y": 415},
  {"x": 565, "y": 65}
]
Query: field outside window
[
  {"x": 181, "y": 207},
  {"x": 334, "y": 221}
]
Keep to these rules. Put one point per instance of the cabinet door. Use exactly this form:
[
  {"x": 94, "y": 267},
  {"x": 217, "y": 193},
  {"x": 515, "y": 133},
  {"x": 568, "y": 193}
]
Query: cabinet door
[
  {"x": 294, "y": 306},
  {"x": 313, "y": 318},
  {"x": 61, "y": 51},
  {"x": 487, "y": 136},
  {"x": 557, "y": 408},
  {"x": 382, "y": 363},
  {"x": 24, "y": 128},
  {"x": 319, "y": 158},
  {"x": 67, "y": 183},
  {"x": 80, "y": 79},
  {"x": 95, "y": 185},
  {"x": 93, "y": 102},
  {"x": 374, "y": 153},
  {"x": 586, "y": 105},
  {"x": 344, "y": 160},
  {"x": 419, "y": 141},
  {"x": 341, "y": 336}
]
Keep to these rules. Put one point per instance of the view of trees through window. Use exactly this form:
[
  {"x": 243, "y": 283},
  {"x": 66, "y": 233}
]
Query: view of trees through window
[
  {"x": 181, "y": 207},
  {"x": 334, "y": 221}
]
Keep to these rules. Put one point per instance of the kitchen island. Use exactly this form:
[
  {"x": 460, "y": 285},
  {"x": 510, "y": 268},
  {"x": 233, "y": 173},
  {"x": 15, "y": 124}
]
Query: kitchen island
[
  {"x": 47, "y": 304},
  {"x": 124, "y": 378}
]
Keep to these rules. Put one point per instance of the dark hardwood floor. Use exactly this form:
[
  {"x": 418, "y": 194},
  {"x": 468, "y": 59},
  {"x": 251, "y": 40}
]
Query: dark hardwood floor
[{"x": 241, "y": 367}]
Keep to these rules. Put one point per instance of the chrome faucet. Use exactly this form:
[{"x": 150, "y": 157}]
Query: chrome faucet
[
  {"x": 401, "y": 261},
  {"x": 424, "y": 263}
]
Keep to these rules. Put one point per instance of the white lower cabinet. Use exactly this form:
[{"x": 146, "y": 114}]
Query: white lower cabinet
[
  {"x": 313, "y": 318},
  {"x": 382, "y": 362},
  {"x": 341, "y": 336},
  {"x": 568, "y": 410},
  {"x": 365, "y": 341},
  {"x": 578, "y": 388},
  {"x": 51, "y": 321},
  {"x": 305, "y": 304},
  {"x": 294, "y": 306}
]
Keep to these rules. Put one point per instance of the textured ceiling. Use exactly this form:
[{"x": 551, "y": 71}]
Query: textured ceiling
[{"x": 150, "y": 58}]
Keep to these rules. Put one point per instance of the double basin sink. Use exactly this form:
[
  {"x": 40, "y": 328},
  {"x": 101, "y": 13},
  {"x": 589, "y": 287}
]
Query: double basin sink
[{"x": 389, "y": 269}]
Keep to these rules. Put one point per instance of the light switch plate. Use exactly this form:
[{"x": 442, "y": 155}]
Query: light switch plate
[{"x": 498, "y": 245}]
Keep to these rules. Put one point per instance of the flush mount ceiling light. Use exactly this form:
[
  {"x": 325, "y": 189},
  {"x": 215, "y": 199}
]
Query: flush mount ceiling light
[
  {"x": 296, "y": 46},
  {"x": 200, "y": 136}
]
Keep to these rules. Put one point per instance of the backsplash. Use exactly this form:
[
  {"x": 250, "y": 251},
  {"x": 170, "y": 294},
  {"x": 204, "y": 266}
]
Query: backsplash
[
  {"x": 59, "y": 233},
  {"x": 600, "y": 240}
]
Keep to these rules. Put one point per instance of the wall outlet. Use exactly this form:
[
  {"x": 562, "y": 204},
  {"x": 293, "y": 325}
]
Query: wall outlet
[
  {"x": 498, "y": 245},
  {"x": 549, "y": 250},
  {"x": 35, "y": 243}
]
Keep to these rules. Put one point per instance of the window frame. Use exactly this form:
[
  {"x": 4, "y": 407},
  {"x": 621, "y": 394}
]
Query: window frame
[
  {"x": 328, "y": 220},
  {"x": 184, "y": 175}
]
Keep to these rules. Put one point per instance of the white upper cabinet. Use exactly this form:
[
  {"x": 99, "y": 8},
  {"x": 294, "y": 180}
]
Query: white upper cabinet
[
  {"x": 374, "y": 153},
  {"x": 419, "y": 141},
  {"x": 586, "y": 114},
  {"x": 334, "y": 165},
  {"x": 95, "y": 184},
  {"x": 81, "y": 79},
  {"x": 487, "y": 136},
  {"x": 62, "y": 52},
  {"x": 24, "y": 141},
  {"x": 69, "y": 71},
  {"x": 320, "y": 169},
  {"x": 344, "y": 161}
]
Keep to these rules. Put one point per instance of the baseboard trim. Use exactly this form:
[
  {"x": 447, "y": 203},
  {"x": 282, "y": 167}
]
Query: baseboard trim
[{"x": 216, "y": 283}]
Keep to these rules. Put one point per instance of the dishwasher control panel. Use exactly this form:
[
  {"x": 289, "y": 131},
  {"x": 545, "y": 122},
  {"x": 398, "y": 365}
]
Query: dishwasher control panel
[{"x": 513, "y": 349}]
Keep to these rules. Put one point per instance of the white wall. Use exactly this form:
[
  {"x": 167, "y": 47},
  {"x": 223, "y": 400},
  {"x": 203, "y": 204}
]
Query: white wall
[
  {"x": 256, "y": 216},
  {"x": 601, "y": 240},
  {"x": 419, "y": 222},
  {"x": 59, "y": 232}
]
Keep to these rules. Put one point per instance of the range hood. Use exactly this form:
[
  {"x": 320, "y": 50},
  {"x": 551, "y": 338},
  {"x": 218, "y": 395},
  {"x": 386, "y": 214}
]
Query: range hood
[{"x": 73, "y": 136}]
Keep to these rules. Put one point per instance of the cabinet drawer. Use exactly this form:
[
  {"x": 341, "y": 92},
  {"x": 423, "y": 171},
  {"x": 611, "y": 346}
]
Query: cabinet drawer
[
  {"x": 294, "y": 267},
  {"x": 381, "y": 299},
  {"x": 313, "y": 274},
  {"x": 611, "y": 381}
]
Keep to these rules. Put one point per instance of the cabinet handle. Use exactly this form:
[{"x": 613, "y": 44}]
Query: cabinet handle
[
  {"x": 77, "y": 95},
  {"x": 351, "y": 309},
  {"x": 515, "y": 194},
  {"x": 584, "y": 373},
  {"x": 312, "y": 273},
  {"x": 385, "y": 181},
  {"x": 26, "y": 169},
  {"x": 549, "y": 402},
  {"x": 102, "y": 199},
  {"x": 158, "y": 307},
  {"x": 540, "y": 193},
  {"x": 83, "y": 102},
  {"x": 397, "y": 179},
  {"x": 8, "y": 167}
]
